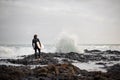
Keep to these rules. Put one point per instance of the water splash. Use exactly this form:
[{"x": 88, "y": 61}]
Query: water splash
[{"x": 66, "y": 43}]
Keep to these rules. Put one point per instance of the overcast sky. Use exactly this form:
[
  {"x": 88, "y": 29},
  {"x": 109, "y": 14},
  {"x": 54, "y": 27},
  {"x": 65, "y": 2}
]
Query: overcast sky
[{"x": 92, "y": 21}]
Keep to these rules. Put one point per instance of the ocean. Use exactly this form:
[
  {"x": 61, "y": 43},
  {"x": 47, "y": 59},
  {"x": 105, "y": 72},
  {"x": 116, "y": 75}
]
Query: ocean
[{"x": 15, "y": 51}]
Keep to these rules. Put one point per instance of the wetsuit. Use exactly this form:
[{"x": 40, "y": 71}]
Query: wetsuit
[{"x": 34, "y": 44}]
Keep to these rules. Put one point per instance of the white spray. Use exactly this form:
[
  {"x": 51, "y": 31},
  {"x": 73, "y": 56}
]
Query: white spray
[{"x": 67, "y": 43}]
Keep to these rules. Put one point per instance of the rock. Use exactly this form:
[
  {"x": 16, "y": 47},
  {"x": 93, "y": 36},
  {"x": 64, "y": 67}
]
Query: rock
[
  {"x": 50, "y": 72},
  {"x": 114, "y": 72},
  {"x": 13, "y": 73},
  {"x": 92, "y": 51},
  {"x": 30, "y": 60},
  {"x": 112, "y": 52},
  {"x": 101, "y": 63},
  {"x": 64, "y": 71},
  {"x": 58, "y": 71},
  {"x": 67, "y": 61},
  {"x": 51, "y": 58}
]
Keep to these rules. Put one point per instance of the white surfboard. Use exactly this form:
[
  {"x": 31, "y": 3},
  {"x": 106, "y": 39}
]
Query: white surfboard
[
  {"x": 42, "y": 46},
  {"x": 38, "y": 45}
]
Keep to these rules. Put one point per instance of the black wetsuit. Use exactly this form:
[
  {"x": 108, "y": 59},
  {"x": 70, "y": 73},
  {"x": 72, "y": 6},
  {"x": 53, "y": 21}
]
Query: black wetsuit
[{"x": 34, "y": 42}]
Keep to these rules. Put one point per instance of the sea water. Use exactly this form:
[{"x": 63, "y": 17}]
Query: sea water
[{"x": 15, "y": 51}]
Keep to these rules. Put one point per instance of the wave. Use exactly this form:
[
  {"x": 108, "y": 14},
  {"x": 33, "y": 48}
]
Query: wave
[
  {"x": 67, "y": 43},
  {"x": 13, "y": 51}
]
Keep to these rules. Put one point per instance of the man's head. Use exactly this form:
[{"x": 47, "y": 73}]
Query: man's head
[{"x": 35, "y": 36}]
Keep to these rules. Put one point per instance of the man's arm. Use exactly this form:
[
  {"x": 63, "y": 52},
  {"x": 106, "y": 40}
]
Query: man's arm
[{"x": 33, "y": 45}]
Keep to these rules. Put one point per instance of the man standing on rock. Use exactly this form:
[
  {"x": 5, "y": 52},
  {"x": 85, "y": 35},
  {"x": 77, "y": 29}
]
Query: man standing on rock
[{"x": 36, "y": 45}]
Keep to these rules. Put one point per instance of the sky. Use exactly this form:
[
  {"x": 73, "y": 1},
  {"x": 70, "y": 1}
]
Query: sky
[{"x": 91, "y": 21}]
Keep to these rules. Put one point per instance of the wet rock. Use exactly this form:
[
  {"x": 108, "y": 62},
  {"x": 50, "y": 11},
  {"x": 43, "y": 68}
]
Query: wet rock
[
  {"x": 30, "y": 60},
  {"x": 114, "y": 72},
  {"x": 67, "y": 61},
  {"x": 57, "y": 72},
  {"x": 101, "y": 63},
  {"x": 92, "y": 51},
  {"x": 49, "y": 58},
  {"x": 13, "y": 73},
  {"x": 112, "y": 52}
]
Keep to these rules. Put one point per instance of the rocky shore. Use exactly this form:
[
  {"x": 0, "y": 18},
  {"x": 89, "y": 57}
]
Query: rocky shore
[
  {"x": 58, "y": 66},
  {"x": 52, "y": 58}
]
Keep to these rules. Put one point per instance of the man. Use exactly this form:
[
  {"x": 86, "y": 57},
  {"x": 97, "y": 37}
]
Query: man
[{"x": 36, "y": 45}]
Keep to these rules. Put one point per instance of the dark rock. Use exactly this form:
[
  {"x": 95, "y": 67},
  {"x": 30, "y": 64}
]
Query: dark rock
[
  {"x": 112, "y": 52},
  {"x": 13, "y": 73},
  {"x": 114, "y": 72},
  {"x": 67, "y": 61},
  {"x": 92, "y": 51},
  {"x": 49, "y": 58},
  {"x": 58, "y": 71},
  {"x": 101, "y": 63}
]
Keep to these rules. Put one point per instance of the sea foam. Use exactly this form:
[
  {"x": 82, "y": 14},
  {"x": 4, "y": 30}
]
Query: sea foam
[
  {"x": 14, "y": 51},
  {"x": 66, "y": 43}
]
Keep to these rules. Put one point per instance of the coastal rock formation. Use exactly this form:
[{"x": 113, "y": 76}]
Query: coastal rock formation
[
  {"x": 92, "y": 51},
  {"x": 51, "y": 58},
  {"x": 114, "y": 72},
  {"x": 50, "y": 72},
  {"x": 13, "y": 73},
  {"x": 57, "y": 66},
  {"x": 57, "y": 72}
]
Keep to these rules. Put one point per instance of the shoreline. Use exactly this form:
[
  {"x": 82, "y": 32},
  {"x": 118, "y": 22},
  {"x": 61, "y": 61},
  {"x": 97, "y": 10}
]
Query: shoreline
[{"x": 74, "y": 63}]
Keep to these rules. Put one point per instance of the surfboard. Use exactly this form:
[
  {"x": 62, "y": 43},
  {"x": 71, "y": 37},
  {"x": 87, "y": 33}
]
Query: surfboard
[
  {"x": 38, "y": 45},
  {"x": 42, "y": 46}
]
